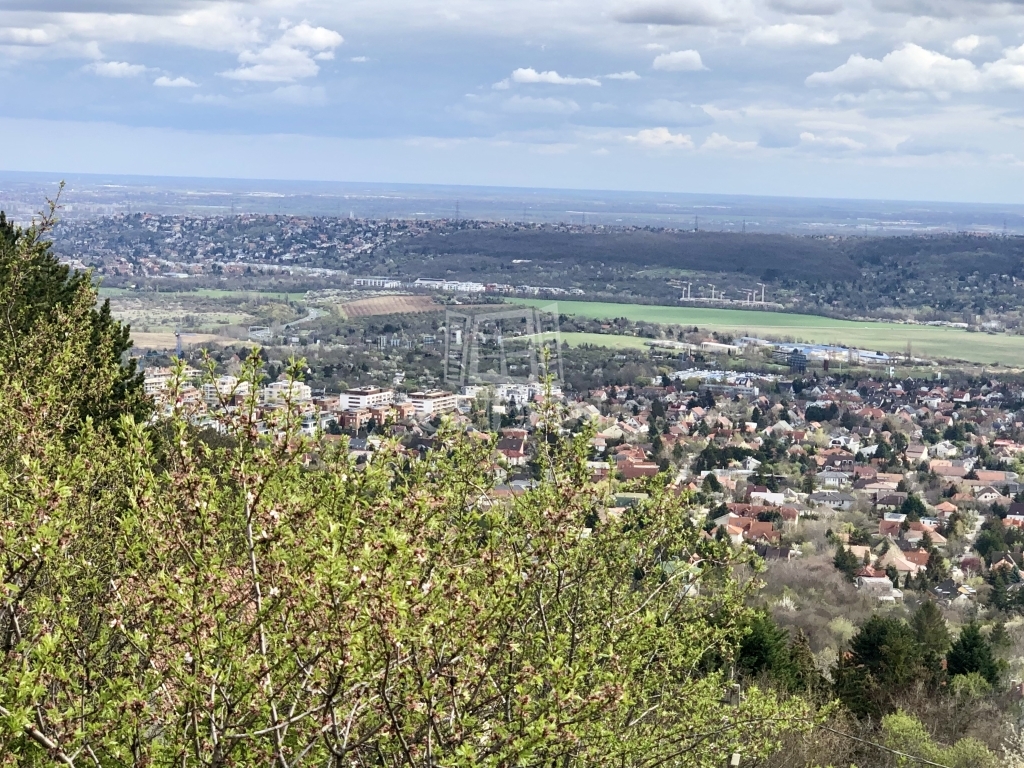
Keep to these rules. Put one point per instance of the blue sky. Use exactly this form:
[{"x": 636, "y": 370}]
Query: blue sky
[{"x": 912, "y": 99}]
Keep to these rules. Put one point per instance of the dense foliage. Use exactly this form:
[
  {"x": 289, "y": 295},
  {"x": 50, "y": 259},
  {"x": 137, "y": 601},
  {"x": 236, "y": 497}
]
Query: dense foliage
[{"x": 260, "y": 599}]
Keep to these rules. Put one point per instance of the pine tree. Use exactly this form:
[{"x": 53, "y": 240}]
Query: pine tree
[
  {"x": 37, "y": 291},
  {"x": 930, "y": 628},
  {"x": 845, "y": 561},
  {"x": 807, "y": 679},
  {"x": 764, "y": 651},
  {"x": 972, "y": 653}
]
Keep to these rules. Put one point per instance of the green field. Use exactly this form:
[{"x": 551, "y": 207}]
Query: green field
[{"x": 925, "y": 341}]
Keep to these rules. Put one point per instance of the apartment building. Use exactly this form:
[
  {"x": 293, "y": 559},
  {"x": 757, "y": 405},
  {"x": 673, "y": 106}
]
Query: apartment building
[
  {"x": 432, "y": 402},
  {"x": 365, "y": 397}
]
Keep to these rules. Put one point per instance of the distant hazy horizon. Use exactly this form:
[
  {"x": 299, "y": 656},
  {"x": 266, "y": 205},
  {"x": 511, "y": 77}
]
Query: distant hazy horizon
[{"x": 21, "y": 193}]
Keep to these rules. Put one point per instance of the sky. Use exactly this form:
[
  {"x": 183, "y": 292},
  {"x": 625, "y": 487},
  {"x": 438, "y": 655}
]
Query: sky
[{"x": 889, "y": 99}]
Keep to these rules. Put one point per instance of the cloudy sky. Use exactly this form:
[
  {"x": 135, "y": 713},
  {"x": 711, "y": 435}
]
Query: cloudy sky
[{"x": 911, "y": 99}]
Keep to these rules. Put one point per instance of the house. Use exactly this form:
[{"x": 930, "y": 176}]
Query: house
[
  {"x": 834, "y": 499},
  {"x": 512, "y": 446},
  {"x": 832, "y": 479},
  {"x": 879, "y": 587},
  {"x": 772, "y": 553},
  {"x": 1006, "y": 560},
  {"x": 952, "y": 593},
  {"x": 989, "y": 495},
  {"x": 891, "y": 501},
  {"x": 889, "y": 528},
  {"x": 896, "y": 559},
  {"x": 916, "y": 453},
  {"x": 944, "y": 450}
]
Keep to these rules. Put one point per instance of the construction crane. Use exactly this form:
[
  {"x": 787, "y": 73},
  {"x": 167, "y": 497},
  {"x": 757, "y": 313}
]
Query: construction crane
[{"x": 177, "y": 342}]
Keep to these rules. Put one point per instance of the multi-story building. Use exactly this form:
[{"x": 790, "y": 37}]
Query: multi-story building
[
  {"x": 376, "y": 282},
  {"x": 434, "y": 401},
  {"x": 283, "y": 391},
  {"x": 224, "y": 389},
  {"x": 365, "y": 397}
]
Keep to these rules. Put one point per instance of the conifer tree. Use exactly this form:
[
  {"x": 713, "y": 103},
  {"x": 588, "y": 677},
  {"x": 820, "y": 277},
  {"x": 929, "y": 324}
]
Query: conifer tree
[{"x": 971, "y": 652}]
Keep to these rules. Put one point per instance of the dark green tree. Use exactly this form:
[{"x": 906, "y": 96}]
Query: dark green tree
[
  {"x": 885, "y": 659},
  {"x": 931, "y": 632},
  {"x": 845, "y": 561},
  {"x": 764, "y": 652},
  {"x": 37, "y": 291},
  {"x": 971, "y": 652},
  {"x": 913, "y": 508}
]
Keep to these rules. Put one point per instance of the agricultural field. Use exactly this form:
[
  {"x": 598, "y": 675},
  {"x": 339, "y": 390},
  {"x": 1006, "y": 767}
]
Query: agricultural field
[
  {"x": 603, "y": 340},
  {"x": 390, "y": 305},
  {"x": 166, "y": 341},
  {"x": 925, "y": 341}
]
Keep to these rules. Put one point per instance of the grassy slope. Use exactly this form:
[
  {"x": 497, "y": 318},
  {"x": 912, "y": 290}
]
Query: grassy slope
[{"x": 925, "y": 341}]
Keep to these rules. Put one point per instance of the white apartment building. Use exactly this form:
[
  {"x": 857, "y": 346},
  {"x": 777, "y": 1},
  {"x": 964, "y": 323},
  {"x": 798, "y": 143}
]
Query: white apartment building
[
  {"x": 365, "y": 397},
  {"x": 377, "y": 282},
  {"x": 224, "y": 388},
  {"x": 281, "y": 391},
  {"x": 156, "y": 381},
  {"x": 434, "y": 401}
]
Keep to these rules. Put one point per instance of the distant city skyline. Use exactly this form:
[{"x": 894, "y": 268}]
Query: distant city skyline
[{"x": 876, "y": 99}]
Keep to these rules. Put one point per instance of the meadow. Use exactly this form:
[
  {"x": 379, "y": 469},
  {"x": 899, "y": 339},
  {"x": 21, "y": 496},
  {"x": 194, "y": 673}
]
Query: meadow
[{"x": 925, "y": 341}]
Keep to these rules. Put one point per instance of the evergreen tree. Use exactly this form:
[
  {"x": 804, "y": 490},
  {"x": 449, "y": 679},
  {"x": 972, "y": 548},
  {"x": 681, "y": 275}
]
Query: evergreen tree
[
  {"x": 764, "y": 651},
  {"x": 913, "y": 508},
  {"x": 936, "y": 570},
  {"x": 885, "y": 658},
  {"x": 845, "y": 561},
  {"x": 971, "y": 652},
  {"x": 807, "y": 678},
  {"x": 931, "y": 632},
  {"x": 999, "y": 638},
  {"x": 37, "y": 293}
]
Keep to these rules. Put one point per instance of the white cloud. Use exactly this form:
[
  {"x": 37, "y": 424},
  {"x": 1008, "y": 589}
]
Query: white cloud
[
  {"x": 910, "y": 68},
  {"x": 530, "y": 75},
  {"x": 274, "y": 64},
  {"x": 115, "y": 69},
  {"x": 359, "y": 59},
  {"x": 830, "y": 142},
  {"x": 966, "y": 44},
  {"x": 661, "y": 137},
  {"x": 28, "y": 36},
  {"x": 1007, "y": 71},
  {"x": 531, "y": 105},
  {"x": 289, "y": 58},
  {"x": 623, "y": 76},
  {"x": 720, "y": 141},
  {"x": 790, "y": 35},
  {"x": 679, "y": 61},
  {"x": 913, "y": 68},
  {"x": 177, "y": 82},
  {"x": 217, "y": 27},
  {"x": 314, "y": 38},
  {"x": 655, "y": 47}
]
